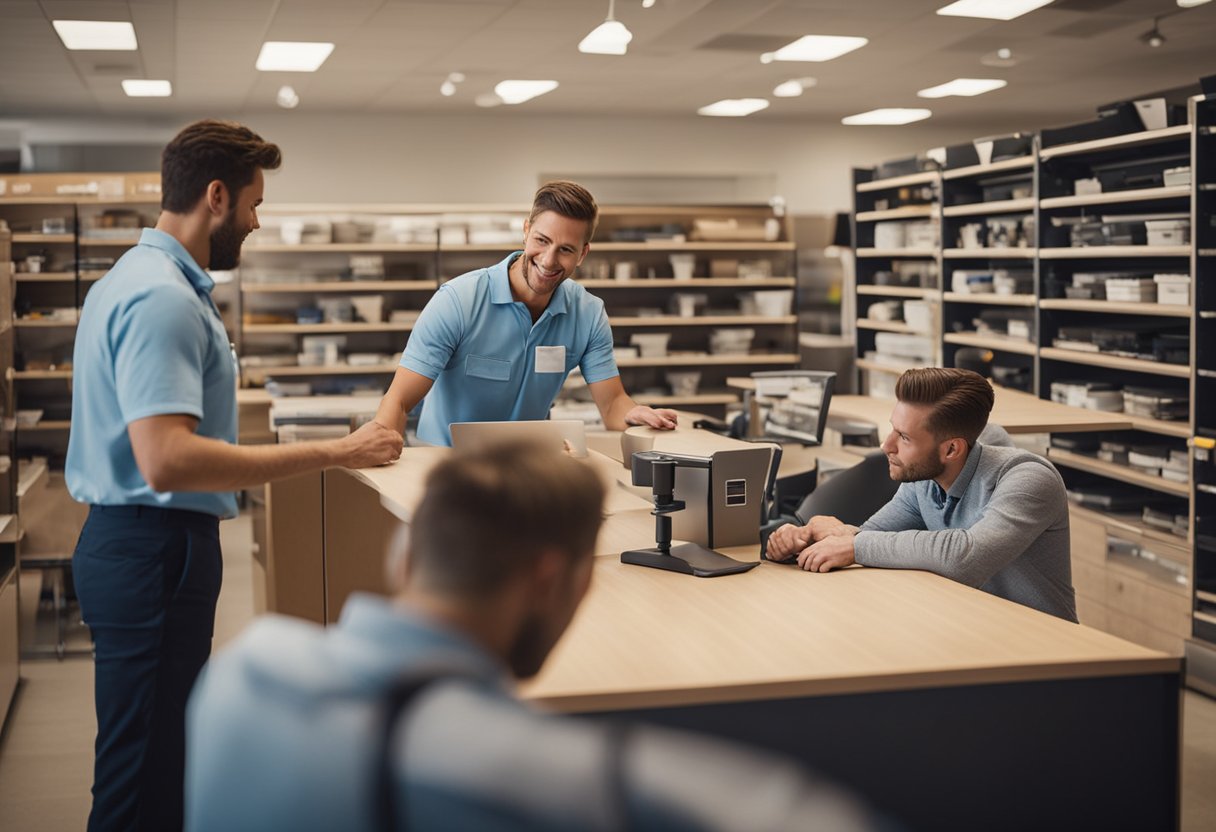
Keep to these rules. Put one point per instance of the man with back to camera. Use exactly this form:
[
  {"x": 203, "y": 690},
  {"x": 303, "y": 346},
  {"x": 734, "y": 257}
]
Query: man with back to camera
[
  {"x": 153, "y": 452},
  {"x": 497, "y": 344},
  {"x": 285, "y": 725},
  {"x": 994, "y": 518}
]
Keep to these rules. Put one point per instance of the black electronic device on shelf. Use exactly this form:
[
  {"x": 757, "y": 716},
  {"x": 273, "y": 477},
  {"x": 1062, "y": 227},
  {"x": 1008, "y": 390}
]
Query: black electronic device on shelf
[{"x": 658, "y": 470}]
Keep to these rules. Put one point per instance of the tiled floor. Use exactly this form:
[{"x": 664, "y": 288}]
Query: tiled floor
[{"x": 46, "y": 748}]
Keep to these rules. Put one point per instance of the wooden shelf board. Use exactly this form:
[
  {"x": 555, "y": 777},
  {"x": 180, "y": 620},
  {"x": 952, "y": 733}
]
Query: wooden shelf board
[
  {"x": 702, "y": 359},
  {"x": 35, "y": 375},
  {"x": 1019, "y": 163},
  {"x": 990, "y": 299},
  {"x": 1120, "y": 523},
  {"x": 254, "y": 288},
  {"x": 990, "y": 342},
  {"x": 1116, "y": 307},
  {"x": 1139, "y": 195},
  {"x": 93, "y": 275},
  {"x": 1115, "y": 362},
  {"x": 704, "y": 320},
  {"x": 1116, "y": 142},
  {"x": 674, "y": 401},
  {"x": 44, "y": 323},
  {"x": 43, "y": 239},
  {"x": 1159, "y": 426},
  {"x": 877, "y": 367},
  {"x": 921, "y": 178},
  {"x": 336, "y": 370},
  {"x": 111, "y": 242},
  {"x": 47, "y": 425},
  {"x": 897, "y": 291},
  {"x": 45, "y": 277},
  {"x": 1098, "y": 252},
  {"x": 897, "y": 253},
  {"x": 888, "y": 326},
  {"x": 907, "y": 212},
  {"x": 322, "y": 329},
  {"x": 1117, "y": 472},
  {"x": 989, "y": 253},
  {"x": 1004, "y": 206},
  {"x": 339, "y": 248},
  {"x": 668, "y": 245},
  {"x": 696, "y": 282}
]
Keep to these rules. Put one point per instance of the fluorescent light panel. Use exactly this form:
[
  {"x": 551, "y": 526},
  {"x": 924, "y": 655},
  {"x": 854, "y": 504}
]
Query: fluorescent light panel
[
  {"x": 292, "y": 56},
  {"x": 517, "y": 92},
  {"x": 144, "y": 88},
  {"x": 98, "y": 35},
  {"x": 963, "y": 86},
  {"x": 888, "y": 115},
  {"x": 818, "y": 48},
  {"x": 733, "y": 107},
  {"x": 992, "y": 9},
  {"x": 609, "y": 38}
]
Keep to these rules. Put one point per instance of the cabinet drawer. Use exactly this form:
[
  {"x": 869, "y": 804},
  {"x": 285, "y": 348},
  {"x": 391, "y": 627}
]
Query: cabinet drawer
[
  {"x": 1089, "y": 580},
  {"x": 1140, "y": 632},
  {"x": 1088, "y": 539},
  {"x": 1159, "y": 608},
  {"x": 1091, "y": 613}
]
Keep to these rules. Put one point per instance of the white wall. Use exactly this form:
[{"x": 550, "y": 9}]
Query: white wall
[{"x": 498, "y": 156}]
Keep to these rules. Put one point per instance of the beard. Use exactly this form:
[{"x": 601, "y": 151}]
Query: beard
[
  {"x": 532, "y": 645},
  {"x": 918, "y": 472},
  {"x": 533, "y": 283},
  {"x": 226, "y": 245}
]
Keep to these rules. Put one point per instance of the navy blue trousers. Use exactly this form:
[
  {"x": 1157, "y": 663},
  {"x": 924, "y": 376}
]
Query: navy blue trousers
[{"x": 147, "y": 579}]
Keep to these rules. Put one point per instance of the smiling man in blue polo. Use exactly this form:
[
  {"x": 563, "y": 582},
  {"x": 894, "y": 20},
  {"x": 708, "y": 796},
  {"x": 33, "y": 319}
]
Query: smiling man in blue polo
[{"x": 496, "y": 344}]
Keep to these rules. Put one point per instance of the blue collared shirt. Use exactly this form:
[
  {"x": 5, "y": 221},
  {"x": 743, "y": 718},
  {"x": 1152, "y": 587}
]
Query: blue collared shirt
[
  {"x": 150, "y": 343},
  {"x": 490, "y": 363}
]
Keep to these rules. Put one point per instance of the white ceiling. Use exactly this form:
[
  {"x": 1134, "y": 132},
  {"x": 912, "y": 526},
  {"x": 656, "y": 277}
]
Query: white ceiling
[{"x": 392, "y": 55}]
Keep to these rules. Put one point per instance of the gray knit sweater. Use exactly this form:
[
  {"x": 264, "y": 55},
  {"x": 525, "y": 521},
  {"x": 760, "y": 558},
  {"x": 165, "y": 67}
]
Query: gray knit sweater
[{"x": 1002, "y": 527}]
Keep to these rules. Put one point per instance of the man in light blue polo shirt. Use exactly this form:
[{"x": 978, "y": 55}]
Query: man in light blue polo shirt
[
  {"x": 497, "y": 344},
  {"x": 153, "y": 452}
]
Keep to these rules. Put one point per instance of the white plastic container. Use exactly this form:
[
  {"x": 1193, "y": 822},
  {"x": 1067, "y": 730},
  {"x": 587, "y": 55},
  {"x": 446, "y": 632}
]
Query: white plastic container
[
  {"x": 1131, "y": 289},
  {"x": 682, "y": 265},
  {"x": 734, "y": 341},
  {"x": 684, "y": 382},
  {"x": 889, "y": 234},
  {"x": 650, "y": 344},
  {"x": 918, "y": 315},
  {"x": 1168, "y": 232},
  {"x": 774, "y": 304}
]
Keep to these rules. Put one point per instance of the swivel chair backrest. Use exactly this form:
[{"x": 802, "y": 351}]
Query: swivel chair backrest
[{"x": 852, "y": 495}]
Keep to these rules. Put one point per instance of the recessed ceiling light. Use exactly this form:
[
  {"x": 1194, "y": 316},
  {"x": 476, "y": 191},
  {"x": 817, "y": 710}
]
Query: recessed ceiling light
[
  {"x": 99, "y": 35},
  {"x": 818, "y": 48},
  {"x": 733, "y": 107},
  {"x": 287, "y": 98},
  {"x": 517, "y": 92},
  {"x": 793, "y": 87},
  {"x": 1190, "y": 4},
  {"x": 992, "y": 9},
  {"x": 292, "y": 56},
  {"x": 963, "y": 86},
  {"x": 888, "y": 115},
  {"x": 141, "y": 88}
]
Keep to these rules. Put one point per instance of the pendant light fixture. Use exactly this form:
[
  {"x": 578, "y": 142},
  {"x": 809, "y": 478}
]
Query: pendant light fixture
[{"x": 609, "y": 38}]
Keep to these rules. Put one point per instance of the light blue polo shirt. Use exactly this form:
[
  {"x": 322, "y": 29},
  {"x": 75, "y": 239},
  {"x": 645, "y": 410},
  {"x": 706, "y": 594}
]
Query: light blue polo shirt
[
  {"x": 490, "y": 363},
  {"x": 150, "y": 343}
]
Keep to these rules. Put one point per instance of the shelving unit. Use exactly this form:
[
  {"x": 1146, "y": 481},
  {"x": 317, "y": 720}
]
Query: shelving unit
[
  {"x": 288, "y": 266},
  {"x": 65, "y": 240},
  {"x": 893, "y": 272},
  {"x": 1129, "y": 594},
  {"x": 10, "y": 569}
]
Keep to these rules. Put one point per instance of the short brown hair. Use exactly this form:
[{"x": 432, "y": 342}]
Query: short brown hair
[
  {"x": 208, "y": 150},
  {"x": 488, "y": 515},
  {"x": 569, "y": 199},
  {"x": 961, "y": 400}
]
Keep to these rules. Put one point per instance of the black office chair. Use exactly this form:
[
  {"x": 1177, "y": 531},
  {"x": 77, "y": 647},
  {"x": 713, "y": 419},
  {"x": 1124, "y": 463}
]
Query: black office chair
[{"x": 852, "y": 495}]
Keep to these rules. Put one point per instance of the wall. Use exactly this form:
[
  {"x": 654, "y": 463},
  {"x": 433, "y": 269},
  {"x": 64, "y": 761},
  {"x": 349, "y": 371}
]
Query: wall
[{"x": 498, "y": 156}]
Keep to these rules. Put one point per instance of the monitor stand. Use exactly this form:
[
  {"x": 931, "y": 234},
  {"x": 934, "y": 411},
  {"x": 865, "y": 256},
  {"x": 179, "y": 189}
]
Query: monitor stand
[{"x": 689, "y": 558}]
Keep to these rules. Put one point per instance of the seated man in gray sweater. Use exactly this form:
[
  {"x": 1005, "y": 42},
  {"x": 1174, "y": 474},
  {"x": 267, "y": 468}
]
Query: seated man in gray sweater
[
  {"x": 990, "y": 517},
  {"x": 303, "y": 727}
]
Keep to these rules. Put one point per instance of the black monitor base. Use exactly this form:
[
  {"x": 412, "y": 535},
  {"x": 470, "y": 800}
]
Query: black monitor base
[{"x": 689, "y": 558}]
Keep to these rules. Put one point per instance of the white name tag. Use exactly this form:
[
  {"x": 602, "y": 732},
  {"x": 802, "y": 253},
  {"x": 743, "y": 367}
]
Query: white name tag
[{"x": 550, "y": 359}]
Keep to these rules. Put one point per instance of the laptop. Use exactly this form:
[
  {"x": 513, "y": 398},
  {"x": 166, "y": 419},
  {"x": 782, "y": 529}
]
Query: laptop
[{"x": 475, "y": 435}]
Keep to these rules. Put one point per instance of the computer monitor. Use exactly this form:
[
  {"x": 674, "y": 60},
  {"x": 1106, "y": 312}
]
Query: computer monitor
[
  {"x": 476, "y": 435},
  {"x": 793, "y": 404}
]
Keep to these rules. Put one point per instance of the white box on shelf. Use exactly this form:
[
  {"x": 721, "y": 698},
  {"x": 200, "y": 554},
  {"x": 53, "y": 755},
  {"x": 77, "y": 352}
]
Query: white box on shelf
[
  {"x": 918, "y": 315},
  {"x": 1168, "y": 232},
  {"x": 1177, "y": 176},
  {"x": 1131, "y": 289},
  {"x": 651, "y": 344},
  {"x": 890, "y": 234},
  {"x": 921, "y": 235},
  {"x": 1087, "y": 187},
  {"x": 1173, "y": 289}
]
